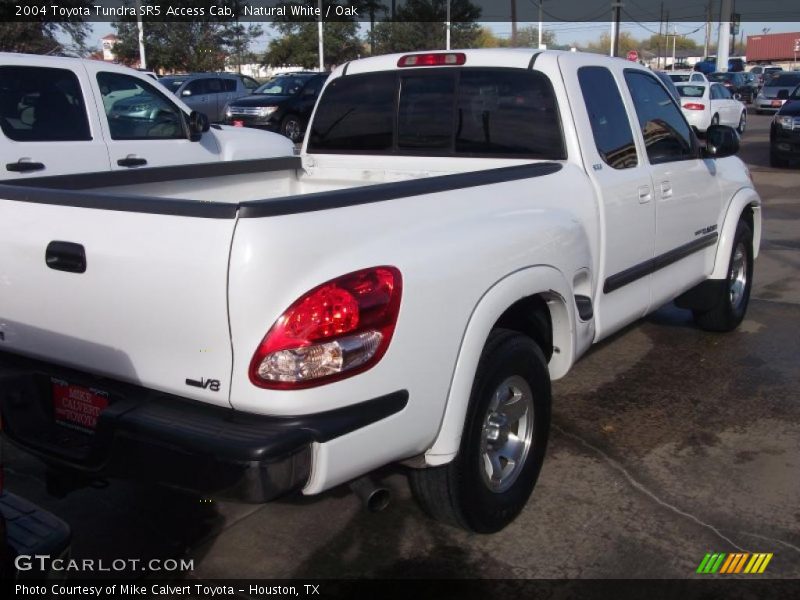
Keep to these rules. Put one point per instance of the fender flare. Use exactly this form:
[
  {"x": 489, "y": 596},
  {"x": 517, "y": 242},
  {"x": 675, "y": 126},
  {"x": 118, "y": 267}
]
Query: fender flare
[
  {"x": 745, "y": 197},
  {"x": 542, "y": 280}
]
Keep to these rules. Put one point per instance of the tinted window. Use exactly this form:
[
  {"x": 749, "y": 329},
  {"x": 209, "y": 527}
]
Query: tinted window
[
  {"x": 667, "y": 136},
  {"x": 286, "y": 85},
  {"x": 229, "y": 85},
  {"x": 610, "y": 127},
  {"x": 358, "y": 115},
  {"x": 508, "y": 112},
  {"x": 136, "y": 110},
  {"x": 42, "y": 105},
  {"x": 171, "y": 83},
  {"x": 497, "y": 112},
  {"x": 723, "y": 92},
  {"x": 216, "y": 86},
  {"x": 786, "y": 80},
  {"x": 425, "y": 113}
]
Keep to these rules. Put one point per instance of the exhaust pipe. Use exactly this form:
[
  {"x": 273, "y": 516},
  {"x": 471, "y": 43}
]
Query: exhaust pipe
[{"x": 374, "y": 497}]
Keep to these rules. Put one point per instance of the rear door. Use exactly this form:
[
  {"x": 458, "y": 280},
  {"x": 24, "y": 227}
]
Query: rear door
[
  {"x": 622, "y": 181},
  {"x": 687, "y": 194},
  {"x": 146, "y": 303},
  {"x": 142, "y": 126},
  {"x": 49, "y": 122}
]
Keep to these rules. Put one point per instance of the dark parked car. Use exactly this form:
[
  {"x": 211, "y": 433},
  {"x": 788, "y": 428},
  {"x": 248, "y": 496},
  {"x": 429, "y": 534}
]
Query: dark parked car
[
  {"x": 737, "y": 83},
  {"x": 283, "y": 104},
  {"x": 209, "y": 93},
  {"x": 784, "y": 134}
]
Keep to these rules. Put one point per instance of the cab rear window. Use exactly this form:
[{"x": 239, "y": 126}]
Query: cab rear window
[{"x": 440, "y": 112}]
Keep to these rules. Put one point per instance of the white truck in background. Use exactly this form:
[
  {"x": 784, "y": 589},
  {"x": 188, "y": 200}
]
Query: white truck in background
[
  {"x": 459, "y": 229},
  {"x": 67, "y": 115}
]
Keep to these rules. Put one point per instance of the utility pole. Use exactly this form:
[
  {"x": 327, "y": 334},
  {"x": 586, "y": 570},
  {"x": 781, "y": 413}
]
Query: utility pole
[
  {"x": 447, "y": 41},
  {"x": 615, "y": 9},
  {"x": 540, "y": 24},
  {"x": 724, "y": 36},
  {"x": 708, "y": 30},
  {"x": 658, "y": 42},
  {"x": 513, "y": 23},
  {"x": 140, "y": 25},
  {"x": 319, "y": 36}
]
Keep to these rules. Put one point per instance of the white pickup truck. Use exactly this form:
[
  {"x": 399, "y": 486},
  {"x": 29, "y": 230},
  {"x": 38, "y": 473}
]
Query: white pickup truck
[
  {"x": 459, "y": 229},
  {"x": 67, "y": 115}
]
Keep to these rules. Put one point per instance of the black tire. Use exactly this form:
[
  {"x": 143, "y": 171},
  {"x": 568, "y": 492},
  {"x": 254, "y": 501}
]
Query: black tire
[
  {"x": 460, "y": 492},
  {"x": 742, "y": 123},
  {"x": 731, "y": 306},
  {"x": 775, "y": 161},
  {"x": 292, "y": 126}
]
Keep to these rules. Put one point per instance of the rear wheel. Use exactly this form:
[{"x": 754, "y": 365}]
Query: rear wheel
[
  {"x": 731, "y": 305},
  {"x": 503, "y": 443}
]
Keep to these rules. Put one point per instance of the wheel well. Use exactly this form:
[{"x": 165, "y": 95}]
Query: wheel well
[
  {"x": 747, "y": 217},
  {"x": 530, "y": 316}
]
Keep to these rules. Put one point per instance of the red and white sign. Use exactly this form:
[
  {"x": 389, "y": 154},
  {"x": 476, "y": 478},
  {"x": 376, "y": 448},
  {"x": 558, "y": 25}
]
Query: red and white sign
[
  {"x": 633, "y": 55},
  {"x": 76, "y": 406}
]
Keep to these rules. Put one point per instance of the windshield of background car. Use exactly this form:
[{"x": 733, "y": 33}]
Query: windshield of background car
[
  {"x": 480, "y": 112},
  {"x": 691, "y": 91},
  {"x": 282, "y": 86},
  {"x": 786, "y": 80},
  {"x": 677, "y": 77},
  {"x": 795, "y": 95},
  {"x": 171, "y": 83}
]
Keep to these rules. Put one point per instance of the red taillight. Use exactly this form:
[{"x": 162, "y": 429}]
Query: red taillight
[
  {"x": 338, "y": 329},
  {"x": 694, "y": 106},
  {"x": 438, "y": 59}
]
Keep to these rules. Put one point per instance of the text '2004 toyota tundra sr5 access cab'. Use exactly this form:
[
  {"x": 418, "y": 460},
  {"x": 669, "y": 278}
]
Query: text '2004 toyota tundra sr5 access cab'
[{"x": 459, "y": 228}]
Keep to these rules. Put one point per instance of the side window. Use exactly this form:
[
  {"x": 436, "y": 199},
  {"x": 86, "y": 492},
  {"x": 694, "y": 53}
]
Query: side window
[
  {"x": 196, "y": 87},
  {"x": 314, "y": 86},
  {"x": 229, "y": 85},
  {"x": 249, "y": 82},
  {"x": 42, "y": 105},
  {"x": 610, "y": 126},
  {"x": 667, "y": 136},
  {"x": 215, "y": 86},
  {"x": 136, "y": 110},
  {"x": 714, "y": 92},
  {"x": 723, "y": 93}
]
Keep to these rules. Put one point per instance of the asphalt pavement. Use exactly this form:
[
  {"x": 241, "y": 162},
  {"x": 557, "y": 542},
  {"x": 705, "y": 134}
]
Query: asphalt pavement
[{"x": 668, "y": 443}]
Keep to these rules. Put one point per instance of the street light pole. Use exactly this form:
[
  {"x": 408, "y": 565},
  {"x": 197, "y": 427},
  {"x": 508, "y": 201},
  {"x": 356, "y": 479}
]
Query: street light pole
[
  {"x": 447, "y": 44},
  {"x": 319, "y": 35},
  {"x": 615, "y": 7},
  {"x": 140, "y": 25},
  {"x": 540, "y": 24}
]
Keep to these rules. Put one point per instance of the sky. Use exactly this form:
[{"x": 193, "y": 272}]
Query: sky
[{"x": 566, "y": 33}]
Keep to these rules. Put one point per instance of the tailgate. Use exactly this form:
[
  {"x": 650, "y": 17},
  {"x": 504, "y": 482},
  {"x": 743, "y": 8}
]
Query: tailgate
[{"x": 150, "y": 307}]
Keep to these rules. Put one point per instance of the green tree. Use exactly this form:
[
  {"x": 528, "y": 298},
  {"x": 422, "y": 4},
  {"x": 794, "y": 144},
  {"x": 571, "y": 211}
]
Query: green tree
[
  {"x": 298, "y": 44},
  {"x": 203, "y": 44},
  {"x": 626, "y": 43},
  {"x": 419, "y": 25},
  {"x": 528, "y": 37},
  {"x": 40, "y": 37}
]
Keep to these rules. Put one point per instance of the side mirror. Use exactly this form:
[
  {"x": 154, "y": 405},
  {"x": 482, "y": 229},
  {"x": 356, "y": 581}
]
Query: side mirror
[
  {"x": 198, "y": 125},
  {"x": 721, "y": 141},
  {"x": 186, "y": 93},
  {"x": 783, "y": 94}
]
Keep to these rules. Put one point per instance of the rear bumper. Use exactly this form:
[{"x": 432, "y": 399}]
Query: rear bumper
[{"x": 149, "y": 435}]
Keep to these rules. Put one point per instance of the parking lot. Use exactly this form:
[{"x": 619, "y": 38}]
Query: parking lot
[{"x": 667, "y": 443}]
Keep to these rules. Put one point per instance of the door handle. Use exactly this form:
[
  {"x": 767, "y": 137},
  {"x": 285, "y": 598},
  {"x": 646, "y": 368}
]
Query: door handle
[
  {"x": 666, "y": 189},
  {"x": 24, "y": 166},
  {"x": 644, "y": 194},
  {"x": 65, "y": 256},
  {"x": 132, "y": 161}
]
